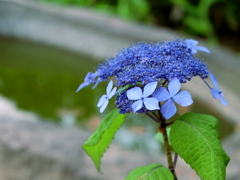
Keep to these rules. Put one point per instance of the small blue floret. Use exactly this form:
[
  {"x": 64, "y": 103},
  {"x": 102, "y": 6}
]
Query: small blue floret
[
  {"x": 89, "y": 79},
  {"x": 192, "y": 45},
  {"x": 216, "y": 92},
  {"x": 183, "y": 98},
  {"x": 149, "y": 102},
  {"x": 103, "y": 101}
]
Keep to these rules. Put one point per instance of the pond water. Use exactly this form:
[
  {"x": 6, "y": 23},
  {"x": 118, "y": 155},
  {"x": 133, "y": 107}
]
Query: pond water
[{"x": 44, "y": 79}]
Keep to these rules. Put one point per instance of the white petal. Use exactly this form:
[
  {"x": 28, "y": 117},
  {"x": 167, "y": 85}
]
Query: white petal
[
  {"x": 151, "y": 103},
  {"x": 112, "y": 93},
  {"x": 174, "y": 86},
  {"x": 109, "y": 87},
  {"x": 149, "y": 89},
  {"x": 137, "y": 105},
  {"x": 103, "y": 107},
  {"x": 102, "y": 100},
  {"x": 134, "y": 93}
]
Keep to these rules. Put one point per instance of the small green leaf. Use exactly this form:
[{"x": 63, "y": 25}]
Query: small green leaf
[
  {"x": 97, "y": 144},
  {"x": 195, "y": 138},
  {"x": 151, "y": 172},
  {"x": 159, "y": 136}
]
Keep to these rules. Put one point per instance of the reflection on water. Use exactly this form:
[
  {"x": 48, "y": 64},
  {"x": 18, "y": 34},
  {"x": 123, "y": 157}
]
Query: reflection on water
[{"x": 43, "y": 79}]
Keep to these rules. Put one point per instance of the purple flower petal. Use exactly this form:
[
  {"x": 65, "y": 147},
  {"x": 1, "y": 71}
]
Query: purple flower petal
[
  {"x": 151, "y": 103},
  {"x": 223, "y": 100},
  {"x": 101, "y": 100},
  {"x": 174, "y": 86},
  {"x": 161, "y": 94},
  {"x": 137, "y": 105},
  {"x": 183, "y": 98},
  {"x": 134, "y": 93},
  {"x": 149, "y": 89},
  {"x": 214, "y": 93},
  {"x": 200, "y": 48},
  {"x": 168, "y": 109},
  {"x": 214, "y": 80},
  {"x": 103, "y": 107},
  {"x": 109, "y": 87}
]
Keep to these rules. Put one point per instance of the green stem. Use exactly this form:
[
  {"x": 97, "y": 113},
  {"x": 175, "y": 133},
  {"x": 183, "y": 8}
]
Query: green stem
[{"x": 163, "y": 130}]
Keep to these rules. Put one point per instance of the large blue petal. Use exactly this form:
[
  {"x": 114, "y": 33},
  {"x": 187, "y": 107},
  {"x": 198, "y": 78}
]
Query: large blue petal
[
  {"x": 151, "y": 103},
  {"x": 168, "y": 109},
  {"x": 149, "y": 89},
  {"x": 112, "y": 93},
  {"x": 183, "y": 98},
  {"x": 103, "y": 107},
  {"x": 161, "y": 94},
  {"x": 137, "y": 105},
  {"x": 215, "y": 93},
  {"x": 102, "y": 100},
  {"x": 174, "y": 86},
  {"x": 223, "y": 100},
  {"x": 134, "y": 93},
  {"x": 200, "y": 48},
  {"x": 109, "y": 87},
  {"x": 84, "y": 84},
  {"x": 214, "y": 81}
]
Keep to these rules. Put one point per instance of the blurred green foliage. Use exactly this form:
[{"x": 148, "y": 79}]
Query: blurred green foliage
[
  {"x": 212, "y": 19},
  {"x": 127, "y": 9}
]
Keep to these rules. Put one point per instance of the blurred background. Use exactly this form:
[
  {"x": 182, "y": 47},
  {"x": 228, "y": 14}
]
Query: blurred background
[{"x": 48, "y": 46}]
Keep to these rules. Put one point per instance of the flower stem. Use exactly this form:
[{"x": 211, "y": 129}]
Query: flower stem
[{"x": 163, "y": 130}]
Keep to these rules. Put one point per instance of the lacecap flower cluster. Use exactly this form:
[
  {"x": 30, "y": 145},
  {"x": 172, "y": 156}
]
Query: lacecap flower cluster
[{"x": 142, "y": 71}]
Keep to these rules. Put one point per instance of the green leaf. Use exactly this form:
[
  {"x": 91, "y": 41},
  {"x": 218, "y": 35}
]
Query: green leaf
[
  {"x": 195, "y": 138},
  {"x": 151, "y": 172},
  {"x": 97, "y": 144},
  {"x": 159, "y": 136}
]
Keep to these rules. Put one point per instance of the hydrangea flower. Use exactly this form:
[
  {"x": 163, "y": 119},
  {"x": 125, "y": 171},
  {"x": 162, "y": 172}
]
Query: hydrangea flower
[
  {"x": 89, "y": 79},
  {"x": 192, "y": 45},
  {"x": 142, "y": 97},
  {"x": 216, "y": 92},
  {"x": 183, "y": 98},
  {"x": 103, "y": 101},
  {"x": 141, "y": 64},
  {"x": 149, "y": 62}
]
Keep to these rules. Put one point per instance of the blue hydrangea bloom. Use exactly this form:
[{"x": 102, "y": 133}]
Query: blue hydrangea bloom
[
  {"x": 192, "y": 45},
  {"x": 216, "y": 92},
  {"x": 183, "y": 98},
  {"x": 103, "y": 101},
  {"x": 149, "y": 62},
  {"x": 142, "y": 97},
  {"x": 144, "y": 63},
  {"x": 89, "y": 79}
]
